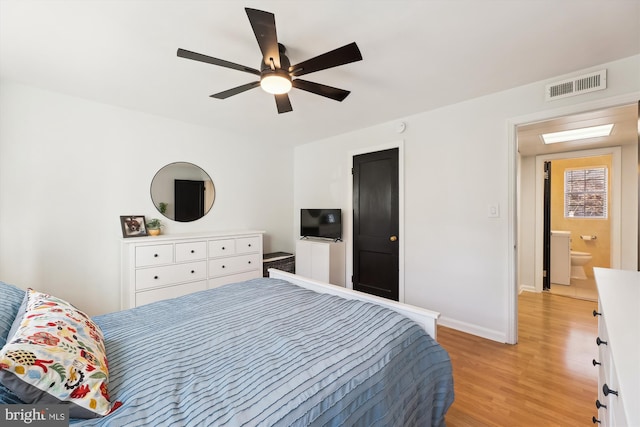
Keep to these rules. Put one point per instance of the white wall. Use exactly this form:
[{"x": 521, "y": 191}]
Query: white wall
[
  {"x": 69, "y": 168},
  {"x": 456, "y": 163}
]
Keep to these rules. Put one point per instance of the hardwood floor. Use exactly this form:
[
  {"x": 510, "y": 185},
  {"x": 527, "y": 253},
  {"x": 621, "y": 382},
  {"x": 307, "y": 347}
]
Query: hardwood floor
[{"x": 547, "y": 379}]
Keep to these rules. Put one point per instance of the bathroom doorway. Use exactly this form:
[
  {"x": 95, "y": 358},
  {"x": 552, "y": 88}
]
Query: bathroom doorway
[
  {"x": 598, "y": 237},
  {"x": 529, "y": 152},
  {"x": 577, "y": 223}
]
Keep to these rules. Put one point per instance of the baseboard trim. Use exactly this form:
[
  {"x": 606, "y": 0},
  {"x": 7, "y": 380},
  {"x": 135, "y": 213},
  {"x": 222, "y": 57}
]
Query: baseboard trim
[
  {"x": 472, "y": 329},
  {"x": 527, "y": 288}
]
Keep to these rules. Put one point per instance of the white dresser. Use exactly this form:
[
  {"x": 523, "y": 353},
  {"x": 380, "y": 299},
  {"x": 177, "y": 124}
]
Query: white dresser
[
  {"x": 167, "y": 266},
  {"x": 618, "y": 343}
]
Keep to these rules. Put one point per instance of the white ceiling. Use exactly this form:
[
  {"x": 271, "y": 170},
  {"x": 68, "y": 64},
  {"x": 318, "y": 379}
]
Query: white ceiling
[{"x": 418, "y": 55}]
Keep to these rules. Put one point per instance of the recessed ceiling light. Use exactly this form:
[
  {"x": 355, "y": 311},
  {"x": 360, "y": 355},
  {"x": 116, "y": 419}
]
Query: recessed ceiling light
[{"x": 576, "y": 134}]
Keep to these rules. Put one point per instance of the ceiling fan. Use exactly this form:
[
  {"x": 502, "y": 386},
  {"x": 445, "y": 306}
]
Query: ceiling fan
[{"x": 276, "y": 72}]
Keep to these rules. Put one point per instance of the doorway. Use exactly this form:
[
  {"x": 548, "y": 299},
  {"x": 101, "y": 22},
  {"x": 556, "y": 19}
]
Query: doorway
[
  {"x": 376, "y": 223},
  {"x": 525, "y": 236},
  {"x": 577, "y": 221}
]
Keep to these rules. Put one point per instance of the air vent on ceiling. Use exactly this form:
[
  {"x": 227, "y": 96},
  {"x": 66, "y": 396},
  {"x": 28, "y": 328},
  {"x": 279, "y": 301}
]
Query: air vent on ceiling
[{"x": 577, "y": 85}]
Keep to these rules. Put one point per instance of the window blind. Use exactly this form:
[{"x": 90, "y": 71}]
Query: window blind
[{"x": 585, "y": 193}]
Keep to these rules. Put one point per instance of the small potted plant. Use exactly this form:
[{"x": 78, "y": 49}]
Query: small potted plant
[{"x": 153, "y": 226}]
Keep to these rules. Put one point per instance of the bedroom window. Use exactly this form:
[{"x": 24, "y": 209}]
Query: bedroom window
[{"x": 585, "y": 193}]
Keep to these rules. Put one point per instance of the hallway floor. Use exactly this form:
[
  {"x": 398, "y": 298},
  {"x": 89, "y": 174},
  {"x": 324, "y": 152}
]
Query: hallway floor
[
  {"x": 581, "y": 289},
  {"x": 547, "y": 379}
]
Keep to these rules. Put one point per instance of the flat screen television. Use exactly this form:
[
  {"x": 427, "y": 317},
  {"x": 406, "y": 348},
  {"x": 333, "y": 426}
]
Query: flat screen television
[{"x": 325, "y": 223}]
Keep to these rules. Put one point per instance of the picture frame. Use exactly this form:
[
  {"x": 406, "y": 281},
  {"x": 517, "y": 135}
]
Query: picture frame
[{"x": 133, "y": 226}]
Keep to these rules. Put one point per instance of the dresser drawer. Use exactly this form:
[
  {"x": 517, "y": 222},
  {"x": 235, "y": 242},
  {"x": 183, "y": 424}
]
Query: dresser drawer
[
  {"x": 154, "y": 255},
  {"x": 161, "y": 276},
  {"x": 218, "y": 248},
  {"x": 246, "y": 245},
  {"x": 238, "y": 264},
  {"x": 191, "y": 251},
  {"x": 146, "y": 297},
  {"x": 234, "y": 278}
]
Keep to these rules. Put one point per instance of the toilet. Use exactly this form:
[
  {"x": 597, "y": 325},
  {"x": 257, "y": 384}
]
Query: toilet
[{"x": 578, "y": 260}]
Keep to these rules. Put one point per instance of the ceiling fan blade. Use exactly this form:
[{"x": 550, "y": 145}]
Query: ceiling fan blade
[
  {"x": 264, "y": 27},
  {"x": 215, "y": 61},
  {"x": 283, "y": 103},
  {"x": 236, "y": 90},
  {"x": 340, "y": 56},
  {"x": 322, "y": 90}
]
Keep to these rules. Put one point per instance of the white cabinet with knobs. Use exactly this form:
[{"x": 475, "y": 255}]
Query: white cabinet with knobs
[
  {"x": 168, "y": 266},
  {"x": 618, "y": 341}
]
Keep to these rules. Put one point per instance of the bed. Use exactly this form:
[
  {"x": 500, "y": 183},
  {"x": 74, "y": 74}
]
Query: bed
[{"x": 278, "y": 351}]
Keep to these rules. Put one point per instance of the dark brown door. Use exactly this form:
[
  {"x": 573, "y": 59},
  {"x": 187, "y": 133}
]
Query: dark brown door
[
  {"x": 546, "y": 226},
  {"x": 375, "y": 223},
  {"x": 189, "y": 200}
]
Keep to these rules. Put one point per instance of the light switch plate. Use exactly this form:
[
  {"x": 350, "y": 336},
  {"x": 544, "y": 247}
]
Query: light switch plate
[{"x": 493, "y": 211}]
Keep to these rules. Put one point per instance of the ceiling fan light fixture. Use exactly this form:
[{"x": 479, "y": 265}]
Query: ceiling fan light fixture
[{"x": 275, "y": 82}]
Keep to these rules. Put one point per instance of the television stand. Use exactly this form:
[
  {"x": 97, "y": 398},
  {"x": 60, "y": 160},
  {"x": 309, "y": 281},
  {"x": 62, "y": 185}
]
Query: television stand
[{"x": 321, "y": 259}]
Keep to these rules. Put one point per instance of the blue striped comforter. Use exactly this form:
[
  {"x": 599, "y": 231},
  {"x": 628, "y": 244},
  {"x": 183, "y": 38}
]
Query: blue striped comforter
[{"x": 268, "y": 353}]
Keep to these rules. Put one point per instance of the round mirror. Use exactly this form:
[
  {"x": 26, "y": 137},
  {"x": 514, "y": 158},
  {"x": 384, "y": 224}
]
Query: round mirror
[{"x": 182, "y": 192}]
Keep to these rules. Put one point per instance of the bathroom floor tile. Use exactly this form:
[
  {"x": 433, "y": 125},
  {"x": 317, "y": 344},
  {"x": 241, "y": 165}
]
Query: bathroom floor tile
[{"x": 581, "y": 289}]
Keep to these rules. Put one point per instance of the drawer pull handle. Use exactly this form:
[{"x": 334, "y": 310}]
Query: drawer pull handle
[
  {"x": 193, "y": 271},
  {"x": 606, "y": 390},
  {"x": 249, "y": 244},
  {"x": 223, "y": 266},
  {"x": 596, "y": 362},
  {"x": 223, "y": 248},
  {"x": 249, "y": 262},
  {"x": 595, "y": 313},
  {"x": 595, "y": 420},
  {"x": 155, "y": 255},
  {"x": 192, "y": 251},
  {"x": 600, "y": 405},
  {"x": 599, "y": 341},
  {"x": 155, "y": 277}
]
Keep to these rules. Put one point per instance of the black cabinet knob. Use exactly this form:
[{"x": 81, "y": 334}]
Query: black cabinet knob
[
  {"x": 595, "y": 313},
  {"x": 155, "y": 277},
  {"x": 249, "y": 244},
  {"x": 193, "y": 271},
  {"x": 223, "y": 266},
  {"x": 249, "y": 262},
  {"x": 595, "y": 362},
  {"x": 155, "y": 255},
  {"x": 599, "y": 341},
  {"x": 223, "y": 248},
  {"x": 595, "y": 420},
  {"x": 192, "y": 251},
  {"x": 606, "y": 390},
  {"x": 600, "y": 405}
]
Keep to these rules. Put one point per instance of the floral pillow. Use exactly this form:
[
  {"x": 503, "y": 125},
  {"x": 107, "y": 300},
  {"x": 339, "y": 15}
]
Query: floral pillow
[{"x": 57, "y": 355}]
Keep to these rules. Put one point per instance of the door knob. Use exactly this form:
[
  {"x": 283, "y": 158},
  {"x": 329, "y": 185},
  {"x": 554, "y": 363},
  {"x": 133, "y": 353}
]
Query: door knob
[{"x": 393, "y": 238}]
